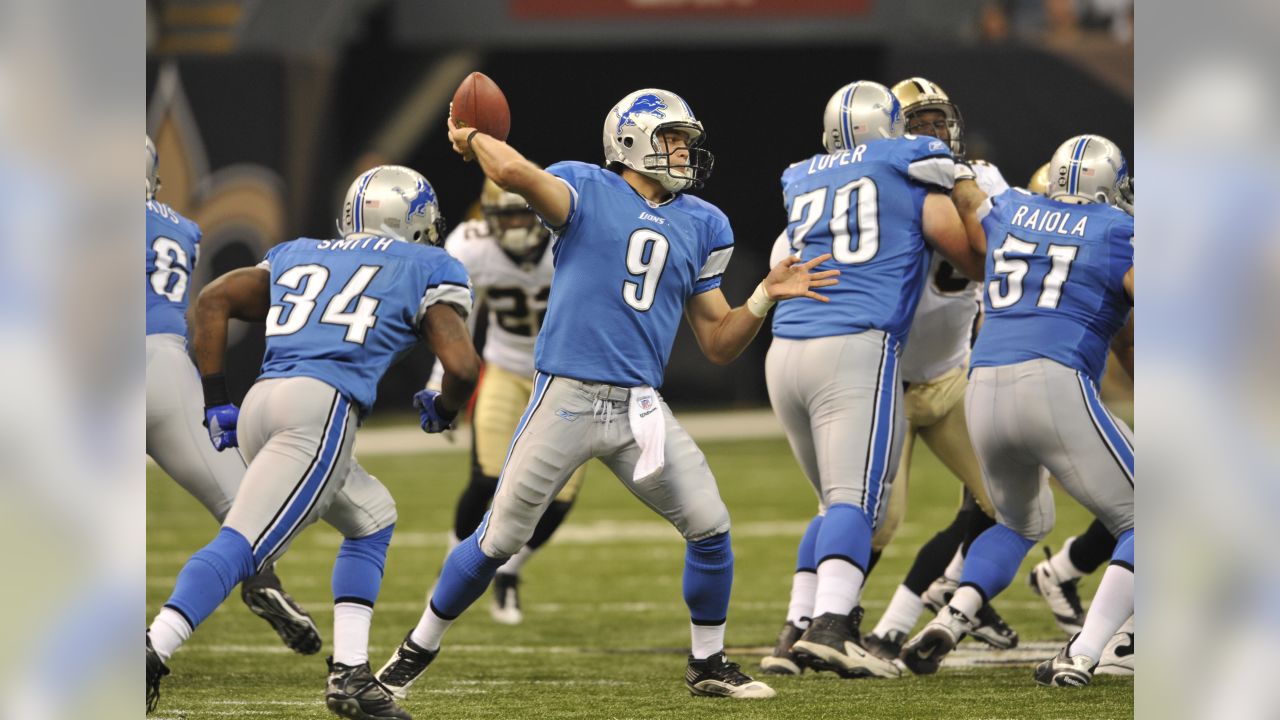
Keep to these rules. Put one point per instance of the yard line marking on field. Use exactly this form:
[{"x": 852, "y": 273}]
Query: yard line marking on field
[{"x": 968, "y": 655}]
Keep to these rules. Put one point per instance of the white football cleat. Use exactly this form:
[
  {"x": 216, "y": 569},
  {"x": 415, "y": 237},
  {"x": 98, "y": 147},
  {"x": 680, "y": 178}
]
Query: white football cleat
[{"x": 1117, "y": 656}]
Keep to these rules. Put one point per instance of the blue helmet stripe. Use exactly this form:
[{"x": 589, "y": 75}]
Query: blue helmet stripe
[
  {"x": 845, "y": 131},
  {"x": 358, "y": 216},
  {"x": 1073, "y": 176}
]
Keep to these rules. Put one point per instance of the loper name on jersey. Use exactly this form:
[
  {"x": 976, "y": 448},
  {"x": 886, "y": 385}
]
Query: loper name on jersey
[
  {"x": 1056, "y": 221},
  {"x": 357, "y": 242},
  {"x": 844, "y": 157}
]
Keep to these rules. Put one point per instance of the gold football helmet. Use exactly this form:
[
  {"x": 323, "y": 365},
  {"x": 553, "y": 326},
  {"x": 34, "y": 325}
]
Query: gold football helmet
[
  {"x": 512, "y": 222},
  {"x": 918, "y": 94},
  {"x": 1039, "y": 182}
]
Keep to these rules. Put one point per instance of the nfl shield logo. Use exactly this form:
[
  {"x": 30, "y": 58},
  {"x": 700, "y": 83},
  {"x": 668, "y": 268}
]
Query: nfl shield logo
[{"x": 646, "y": 402}]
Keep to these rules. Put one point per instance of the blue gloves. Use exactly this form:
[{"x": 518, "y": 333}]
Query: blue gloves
[
  {"x": 433, "y": 419},
  {"x": 221, "y": 422}
]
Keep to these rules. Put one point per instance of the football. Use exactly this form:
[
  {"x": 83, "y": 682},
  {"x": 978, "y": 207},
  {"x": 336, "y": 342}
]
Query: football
[{"x": 480, "y": 104}]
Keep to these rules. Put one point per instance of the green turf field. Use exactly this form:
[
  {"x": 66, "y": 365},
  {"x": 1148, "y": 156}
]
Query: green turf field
[{"x": 605, "y": 630}]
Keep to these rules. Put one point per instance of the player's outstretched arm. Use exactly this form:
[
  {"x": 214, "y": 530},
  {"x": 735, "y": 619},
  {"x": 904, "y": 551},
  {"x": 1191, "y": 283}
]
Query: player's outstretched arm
[
  {"x": 1128, "y": 282},
  {"x": 243, "y": 294},
  {"x": 504, "y": 165},
  {"x": 446, "y": 332},
  {"x": 724, "y": 332},
  {"x": 954, "y": 238}
]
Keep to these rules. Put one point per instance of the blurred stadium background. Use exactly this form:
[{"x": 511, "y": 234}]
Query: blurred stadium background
[{"x": 264, "y": 110}]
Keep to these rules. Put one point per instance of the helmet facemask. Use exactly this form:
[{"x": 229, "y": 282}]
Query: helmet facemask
[
  {"x": 952, "y": 123},
  {"x": 673, "y": 172},
  {"x": 517, "y": 229}
]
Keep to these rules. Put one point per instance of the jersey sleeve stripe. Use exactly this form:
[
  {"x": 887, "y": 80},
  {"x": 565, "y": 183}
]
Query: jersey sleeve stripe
[
  {"x": 937, "y": 170},
  {"x": 449, "y": 293},
  {"x": 716, "y": 263}
]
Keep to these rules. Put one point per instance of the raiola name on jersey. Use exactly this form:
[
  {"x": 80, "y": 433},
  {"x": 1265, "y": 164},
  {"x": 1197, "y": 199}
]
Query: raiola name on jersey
[
  {"x": 863, "y": 206},
  {"x": 623, "y": 271},
  {"x": 342, "y": 311},
  {"x": 173, "y": 245},
  {"x": 515, "y": 294},
  {"x": 1054, "y": 281}
]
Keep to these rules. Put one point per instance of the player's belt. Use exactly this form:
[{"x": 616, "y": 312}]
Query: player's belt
[{"x": 603, "y": 391}]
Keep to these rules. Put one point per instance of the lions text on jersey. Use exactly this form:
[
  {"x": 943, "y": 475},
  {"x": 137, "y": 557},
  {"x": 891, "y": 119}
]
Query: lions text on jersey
[
  {"x": 1054, "y": 281},
  {"x": 342, "y": 311},
  {"x": 863, "y": 206},
  {"x": 628, "y": 267},
  {"x": 514, "y": 293},
  {"x": 173, "y": 244}
]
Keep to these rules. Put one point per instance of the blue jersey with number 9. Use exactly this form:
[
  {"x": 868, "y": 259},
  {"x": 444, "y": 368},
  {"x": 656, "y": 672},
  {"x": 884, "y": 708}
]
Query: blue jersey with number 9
[
  {"x": 173, "y": 244},
  {"x": 623, "y": 271},
  {"x": 1054, "y": 282},
  {"x": 863, "y": 206},
  {"x": 342, "y": 311}
]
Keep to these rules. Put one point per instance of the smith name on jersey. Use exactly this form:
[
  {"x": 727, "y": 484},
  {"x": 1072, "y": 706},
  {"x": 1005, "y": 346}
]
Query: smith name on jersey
[
  {"x": 342, "y": 311},
  {"x": 623, "y": 271},
  {"x": 1055, "y": 281},
  {"x": 863, "y": 206},
  {"x": 173, "y": 245}
]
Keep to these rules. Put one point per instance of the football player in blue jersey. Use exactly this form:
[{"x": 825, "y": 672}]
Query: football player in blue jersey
[
  {"x": 873, "y": 205},
  {"x": 632, "y": 252},
  {"x": 175, "y": 439},
  {"x": 338, "y": 313},
  {"x": 1059, "y": 285}
]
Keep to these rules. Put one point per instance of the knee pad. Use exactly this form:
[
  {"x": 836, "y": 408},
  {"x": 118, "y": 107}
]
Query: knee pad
[{"x": 704, "y": 522}]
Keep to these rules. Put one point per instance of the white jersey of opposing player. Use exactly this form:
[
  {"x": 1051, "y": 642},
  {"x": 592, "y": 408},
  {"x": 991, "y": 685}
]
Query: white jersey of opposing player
[
  {"x": 943, "y": 325},
  {"x": 515, "y": 295}
]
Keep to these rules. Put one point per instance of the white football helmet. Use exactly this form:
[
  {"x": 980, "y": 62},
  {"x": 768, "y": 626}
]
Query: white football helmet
[
  {"x": 395, "y": 201},
  {"x": 631, "y": 132},
  {"x": 860, "y": 112},
  {"x": 153, "y": 168},
  {"x": 1087, "y": 169},
  {"x": 511, "y": 220}
]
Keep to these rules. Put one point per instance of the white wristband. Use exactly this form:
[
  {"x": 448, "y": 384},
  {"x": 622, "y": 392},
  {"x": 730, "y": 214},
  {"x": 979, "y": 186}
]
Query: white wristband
[{"x": 760, "y": 302}]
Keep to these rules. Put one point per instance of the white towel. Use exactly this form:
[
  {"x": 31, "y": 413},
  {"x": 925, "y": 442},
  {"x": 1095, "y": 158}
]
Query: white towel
[{"x": 650, "y": 430}]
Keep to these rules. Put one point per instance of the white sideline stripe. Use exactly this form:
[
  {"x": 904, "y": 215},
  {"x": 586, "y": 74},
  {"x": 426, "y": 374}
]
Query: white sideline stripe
[{"x": 969, "y": 654}]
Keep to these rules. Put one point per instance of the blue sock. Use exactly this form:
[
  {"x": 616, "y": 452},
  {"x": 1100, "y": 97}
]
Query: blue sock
[
  {"x": 845, "y": 534},
  {"x": 357, "y": 572},
  {"x": 1123, "y": 555},
  {"x": 993, "y": 560},
  {"x": 708, "y": 579},
  {"x": 466, "y": 573},
  {"x": 210, "y": 576},
  {"x": 806, "y": 555}
]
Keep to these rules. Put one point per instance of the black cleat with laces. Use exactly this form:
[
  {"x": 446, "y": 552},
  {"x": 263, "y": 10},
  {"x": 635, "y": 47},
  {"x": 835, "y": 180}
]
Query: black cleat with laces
[
  {"x": 354, "y": 693},
  {"x": 267, "y": 599},
  {"x": 717, "y": 677},
  {"x": 505, "y": 608},
  {"x": 783, "y": 659},
  {"x": 832, "y": 643},
  {"x": 991, "y": 629},
  {"x": 156, "y": 669},
  {"x": 405, "y": 666}
]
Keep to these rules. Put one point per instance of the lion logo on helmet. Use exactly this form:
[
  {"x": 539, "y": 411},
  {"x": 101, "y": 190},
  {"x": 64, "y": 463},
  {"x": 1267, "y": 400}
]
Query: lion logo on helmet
[
  {"x": 423, "y": 197},
  {"x": 648, "y": 103}
]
